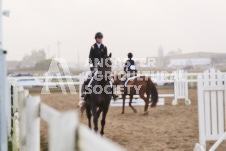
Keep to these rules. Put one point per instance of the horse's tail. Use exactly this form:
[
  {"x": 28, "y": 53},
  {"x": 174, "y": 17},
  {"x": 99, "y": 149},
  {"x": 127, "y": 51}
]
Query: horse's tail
[{"x": 154, "y": 92}]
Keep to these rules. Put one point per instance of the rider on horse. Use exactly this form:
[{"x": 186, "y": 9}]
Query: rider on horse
[
  {"x": 97, "y": 50},
  {"x": 129, "y": 69}
]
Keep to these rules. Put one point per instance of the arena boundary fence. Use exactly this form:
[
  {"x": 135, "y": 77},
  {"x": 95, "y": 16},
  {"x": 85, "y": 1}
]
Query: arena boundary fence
[
  {"x": 179, "y": 78},
  {"x": 17, "y": 112},
  {"x": 65, "y": 131},
  {"x": 211, "y": 109}
]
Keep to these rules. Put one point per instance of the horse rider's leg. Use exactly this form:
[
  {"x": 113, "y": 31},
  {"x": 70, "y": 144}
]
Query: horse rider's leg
[
  {"x": 146, "y": 103},
  {"x": 123, "y": 79},
  {"x": 123, "y": 103},
  {"x": 95, "y": 118},
  {"x": 130, "y": 103},
  {"x": 88, "y": 113},
  {"x": 88, "y": 83},
  {"x": 103, "y": 121}
]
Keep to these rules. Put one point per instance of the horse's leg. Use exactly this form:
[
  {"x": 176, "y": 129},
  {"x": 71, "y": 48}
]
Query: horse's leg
[
  {"x": 146, "y": 103},
  {"x": 98, "y": 112},
  {"x": 103, "y": 121},
  {"x": 95, "y": 118},
  {"x": 123, "y": 103},
  {"x": 88, "y": 113},
  {"x": 130, "y": 104}
]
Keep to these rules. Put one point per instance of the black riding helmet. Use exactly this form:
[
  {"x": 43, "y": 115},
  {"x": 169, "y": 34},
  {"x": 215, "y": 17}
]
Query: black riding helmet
[
  {"x": 130, "y": 55},
  {"x": 98, "y": 35}
]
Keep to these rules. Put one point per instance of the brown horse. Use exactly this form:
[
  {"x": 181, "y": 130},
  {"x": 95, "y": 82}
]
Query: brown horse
[{"x": 140, "y": 85}]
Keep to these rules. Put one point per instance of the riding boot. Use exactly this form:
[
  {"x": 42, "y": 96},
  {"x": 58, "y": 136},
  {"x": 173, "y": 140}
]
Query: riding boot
[
  {"x": 124, "y": 86},
  {"x": 112, "y": 90},
  {"x": 125, "y": 89}
]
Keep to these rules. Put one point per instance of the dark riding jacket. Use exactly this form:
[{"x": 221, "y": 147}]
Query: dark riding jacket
[
  {"x": 130, "y": 66},
  {"x": 96, "y": 53}
]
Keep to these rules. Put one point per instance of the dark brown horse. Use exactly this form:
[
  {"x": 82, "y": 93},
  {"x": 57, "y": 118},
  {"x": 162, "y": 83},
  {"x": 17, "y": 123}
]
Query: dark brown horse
[
  {"x": 100, "y": 93},
  {"x": 140, "y": 85}
]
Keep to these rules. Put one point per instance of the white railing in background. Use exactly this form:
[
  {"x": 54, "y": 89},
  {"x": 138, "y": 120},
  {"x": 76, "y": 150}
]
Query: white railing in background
[
  {"x": 65, "y": 131},
  {"x": 179, "y": 78},
  {"x": 211, "y": 108}
]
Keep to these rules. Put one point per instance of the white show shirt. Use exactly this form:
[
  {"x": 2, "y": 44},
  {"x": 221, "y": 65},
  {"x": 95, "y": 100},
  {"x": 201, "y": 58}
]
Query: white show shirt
[{"x": 98, "y": 45}]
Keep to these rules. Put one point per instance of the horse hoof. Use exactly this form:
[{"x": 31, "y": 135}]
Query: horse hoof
[
  {"x": 135, "y": 111},
  {"x": 145, "y": 113},
  {"x": 122, "y": 113}
]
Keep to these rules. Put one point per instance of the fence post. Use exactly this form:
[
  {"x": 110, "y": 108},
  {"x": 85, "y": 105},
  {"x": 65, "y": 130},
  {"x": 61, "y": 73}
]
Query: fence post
[
  {"x": 23, "y": 94},
  {"x": 16, "y": 117},
  {"x": 33, "y": 124},
  {"x": 187, "y": 100},
  {"x": 9, "y": 110},
  {"x": 201, "y": 116},
  {"x": 12, "y": 111},
  {"x": 62, "y": 132},
  {"x": 81, "y": 81},
  {"x": 14, "y": 105},
  {"x": 174, "y": 102},
  {"x": 3, "y": 100},
  {"x": 225, "y": 100}
]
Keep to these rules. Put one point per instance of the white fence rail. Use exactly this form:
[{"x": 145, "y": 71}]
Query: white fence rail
[{"x": 65, "y": 131}]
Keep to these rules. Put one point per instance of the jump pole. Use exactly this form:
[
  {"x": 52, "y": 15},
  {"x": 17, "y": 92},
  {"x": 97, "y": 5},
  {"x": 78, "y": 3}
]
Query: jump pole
[{"x": 3, "y": 114}]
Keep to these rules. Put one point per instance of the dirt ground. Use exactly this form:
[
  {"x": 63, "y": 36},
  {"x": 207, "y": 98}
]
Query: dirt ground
[{"x": 166, "y": 128}]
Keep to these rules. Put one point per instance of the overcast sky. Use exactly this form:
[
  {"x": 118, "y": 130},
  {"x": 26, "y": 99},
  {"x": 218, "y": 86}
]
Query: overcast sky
[{"x": 138, "y": 26}]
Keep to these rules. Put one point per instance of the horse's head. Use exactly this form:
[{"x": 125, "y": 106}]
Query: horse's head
[{"x": 105, "y": 66}]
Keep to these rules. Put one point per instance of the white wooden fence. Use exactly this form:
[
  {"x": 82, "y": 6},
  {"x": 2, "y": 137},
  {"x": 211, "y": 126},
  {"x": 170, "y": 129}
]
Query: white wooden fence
[
  {"x": 211, "y": 109},
  {"x": 27, "y": 111},
  {"x": 181, "y": 87},
  {"x": 65, "y": 131},
  {"x": 180, "y": 80}
]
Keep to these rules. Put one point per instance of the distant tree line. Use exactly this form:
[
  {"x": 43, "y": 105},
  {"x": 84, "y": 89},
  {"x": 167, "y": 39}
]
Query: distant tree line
[{"x": 39, "y": 59}]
